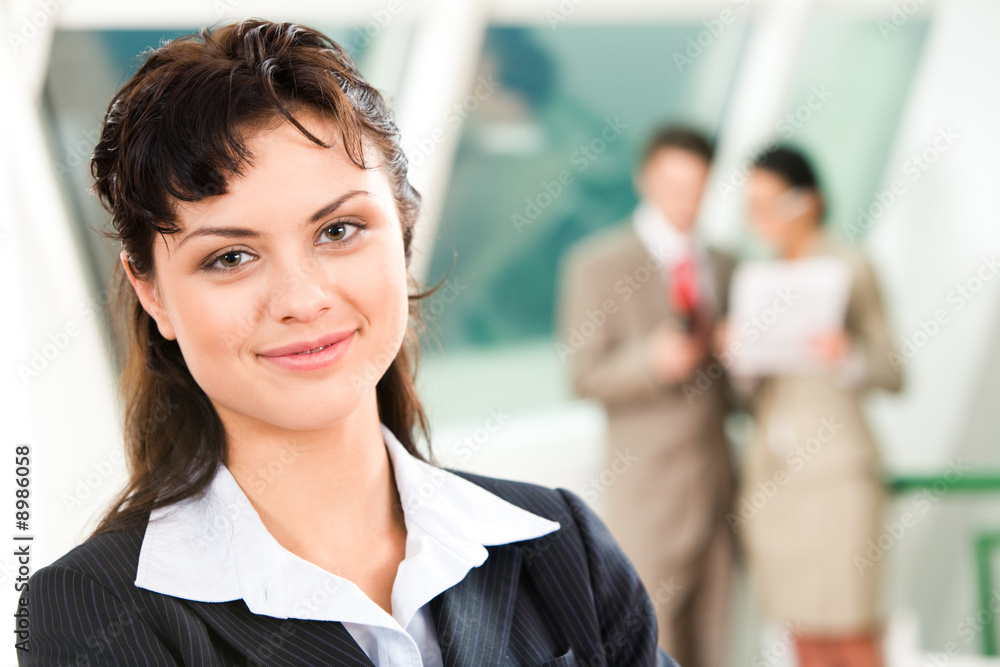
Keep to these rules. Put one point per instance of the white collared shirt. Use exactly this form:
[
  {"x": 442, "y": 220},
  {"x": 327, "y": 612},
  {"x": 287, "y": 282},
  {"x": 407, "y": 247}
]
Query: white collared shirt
[
  {"x": 668, "y": 244},
  {"x": 214, "y": 548}
]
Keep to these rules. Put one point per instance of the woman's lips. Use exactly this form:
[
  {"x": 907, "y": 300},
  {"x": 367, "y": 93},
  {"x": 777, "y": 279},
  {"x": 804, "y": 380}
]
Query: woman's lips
[
  {"x": 310, "y": 355},
  {"x": 306, "y": 345}
]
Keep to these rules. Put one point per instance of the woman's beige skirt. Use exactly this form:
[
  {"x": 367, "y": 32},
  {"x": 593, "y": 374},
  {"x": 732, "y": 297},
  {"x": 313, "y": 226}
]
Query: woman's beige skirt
[{"x": 812, "y": 546}]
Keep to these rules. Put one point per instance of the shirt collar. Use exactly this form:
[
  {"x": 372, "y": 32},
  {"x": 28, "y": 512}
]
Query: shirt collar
[
  {"x": 665, "y": 242},
  {"x": 214, "y": 548},
  {"x": 661, "y": 239}
]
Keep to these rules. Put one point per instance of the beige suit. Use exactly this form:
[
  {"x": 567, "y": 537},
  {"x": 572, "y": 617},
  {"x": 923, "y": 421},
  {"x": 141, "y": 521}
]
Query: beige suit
[
  {"x": 812, "y": 494},
  {"x": 667, "y": 507}
]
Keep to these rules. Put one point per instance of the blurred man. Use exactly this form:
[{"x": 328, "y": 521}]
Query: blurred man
[{"x": 639, "y": 303}]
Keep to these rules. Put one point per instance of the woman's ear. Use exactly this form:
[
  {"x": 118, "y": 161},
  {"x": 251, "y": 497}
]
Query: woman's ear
[
  {"x": 800, "y": 202},
  {"x": 149, "y": 298}
]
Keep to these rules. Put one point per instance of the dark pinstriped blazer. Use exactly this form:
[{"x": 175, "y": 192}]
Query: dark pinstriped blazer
[{"x": 567, "y": 598}]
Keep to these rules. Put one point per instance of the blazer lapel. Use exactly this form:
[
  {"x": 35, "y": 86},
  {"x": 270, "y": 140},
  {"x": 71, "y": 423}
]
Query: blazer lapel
[
  {"x": 474, "y": 616},
  {"x": 279, "y": 642}
]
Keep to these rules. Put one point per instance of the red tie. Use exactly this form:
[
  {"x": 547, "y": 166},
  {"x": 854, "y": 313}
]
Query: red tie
[{"x": 684, "y": 287}]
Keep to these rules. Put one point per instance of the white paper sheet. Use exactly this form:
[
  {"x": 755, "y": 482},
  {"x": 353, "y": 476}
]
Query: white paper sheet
[{"x": 777, "y": 307}]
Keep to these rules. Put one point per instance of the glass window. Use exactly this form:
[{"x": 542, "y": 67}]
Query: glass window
[{"x": 545, "y": 159}]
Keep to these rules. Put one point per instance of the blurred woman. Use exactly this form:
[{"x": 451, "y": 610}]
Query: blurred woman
[{"x": 812, "y": 491}]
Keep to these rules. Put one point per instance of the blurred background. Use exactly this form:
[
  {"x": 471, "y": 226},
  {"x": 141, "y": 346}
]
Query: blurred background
[{"x": 497, "y": 98}]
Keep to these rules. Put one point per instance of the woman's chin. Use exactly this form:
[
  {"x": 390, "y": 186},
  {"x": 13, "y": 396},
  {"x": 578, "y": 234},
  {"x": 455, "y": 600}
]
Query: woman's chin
[{"x": 294, "y": 413}]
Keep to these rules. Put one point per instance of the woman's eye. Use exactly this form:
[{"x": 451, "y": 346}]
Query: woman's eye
[
  {"x": 232, "y": 259},
  {"x": 229, "y": 260},
  {"x": 337, "y": 232}
]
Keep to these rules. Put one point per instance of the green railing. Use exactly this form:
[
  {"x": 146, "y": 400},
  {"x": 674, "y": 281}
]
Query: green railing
[
  {"x": 965, "y": 484},
  {"x": 986, "y": 542}
]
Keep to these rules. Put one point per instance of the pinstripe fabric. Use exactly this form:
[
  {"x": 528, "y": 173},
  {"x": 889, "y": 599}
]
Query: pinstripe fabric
[{"x": 567, "y": 598}]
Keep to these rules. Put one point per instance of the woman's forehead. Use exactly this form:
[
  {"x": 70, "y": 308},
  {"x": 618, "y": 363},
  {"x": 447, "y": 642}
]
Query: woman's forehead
[{"x": 285, "y": 166}]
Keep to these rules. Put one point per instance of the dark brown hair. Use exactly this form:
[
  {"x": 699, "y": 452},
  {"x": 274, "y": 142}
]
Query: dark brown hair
[
  {"x": 178, "y": 131},
  {"x": 679, "y": 136},
  {"x": 792, "y": 166}
]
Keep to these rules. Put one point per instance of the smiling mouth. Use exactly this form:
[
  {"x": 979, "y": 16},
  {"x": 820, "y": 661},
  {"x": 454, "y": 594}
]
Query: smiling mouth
[
  {"x": 314, "y": 350},
  {"x": 299, "y": 349}
]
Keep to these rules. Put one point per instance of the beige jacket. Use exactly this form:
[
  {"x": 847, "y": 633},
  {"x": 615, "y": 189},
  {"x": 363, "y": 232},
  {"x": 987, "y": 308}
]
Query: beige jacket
[
  {"x": 664, "y": 507},
  {"x": 812, "y": 494}
]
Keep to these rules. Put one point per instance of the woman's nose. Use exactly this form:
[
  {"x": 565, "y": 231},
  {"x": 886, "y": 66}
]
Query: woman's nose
[{"x": 300, "y": 292}]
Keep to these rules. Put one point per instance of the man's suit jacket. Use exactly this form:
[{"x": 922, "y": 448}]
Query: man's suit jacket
[
  {"x": 567, "y": 598},
  {"x": 683, "y": 481}
]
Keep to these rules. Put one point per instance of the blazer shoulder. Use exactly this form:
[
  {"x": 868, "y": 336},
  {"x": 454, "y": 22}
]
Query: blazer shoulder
[
  {"x": 615, "y": 243},
  {"x": 583, "y": 557},
  {"x": 582, "y": 535},
  {"x": 111, "y": 558},
  {"x": 535, "y": 498}
]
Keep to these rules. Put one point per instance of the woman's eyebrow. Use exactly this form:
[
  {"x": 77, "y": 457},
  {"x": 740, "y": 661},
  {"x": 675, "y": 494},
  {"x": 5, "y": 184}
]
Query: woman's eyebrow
[
  {"x": 334, "y": 205},
  {"x": 229, "y": 232},
  {"x": 243, "y": 232}
]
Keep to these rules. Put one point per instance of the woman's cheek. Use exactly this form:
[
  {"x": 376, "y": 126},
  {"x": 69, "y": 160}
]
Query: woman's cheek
[
  {"x": 217, "y": 324},
  {"x": 387, "y": 307}
]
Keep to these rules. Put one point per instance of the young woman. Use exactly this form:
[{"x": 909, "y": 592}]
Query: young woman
[
  {"x": 806, "y": 544},
  {"x": 280, "y": 513}
]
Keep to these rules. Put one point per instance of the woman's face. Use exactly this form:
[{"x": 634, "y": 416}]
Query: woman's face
[
  {"x": 778, "y": 212},
  {"x": 304, "y": 252}
]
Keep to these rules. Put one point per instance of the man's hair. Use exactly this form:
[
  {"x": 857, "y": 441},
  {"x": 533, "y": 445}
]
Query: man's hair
[{"x": 682, "y": 137}]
